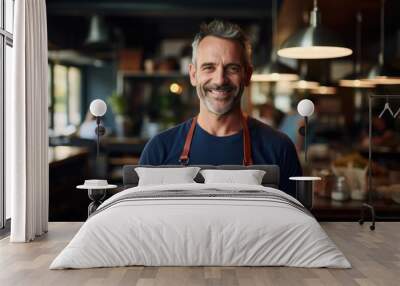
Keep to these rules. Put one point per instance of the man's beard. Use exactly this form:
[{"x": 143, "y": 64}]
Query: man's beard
[{"x": 208, "y": 94}]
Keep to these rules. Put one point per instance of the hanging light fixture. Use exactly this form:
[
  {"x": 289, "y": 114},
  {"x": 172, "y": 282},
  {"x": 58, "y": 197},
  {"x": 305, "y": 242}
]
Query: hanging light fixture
[
  {"x": 275, "y": 71},
  {"x": 304, "y": 84},
  {"x": 323, "y": 90},
  {"x": 314, "y": 42},
  {"x": 98, "y": 32},
  {"x": 355, "y": 79},
  {"x": 356, "y": 83},
  {"x": 382, "y": 74}
]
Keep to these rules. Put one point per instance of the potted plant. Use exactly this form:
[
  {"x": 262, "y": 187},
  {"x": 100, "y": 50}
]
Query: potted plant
[{"x": 119, "y": 107}]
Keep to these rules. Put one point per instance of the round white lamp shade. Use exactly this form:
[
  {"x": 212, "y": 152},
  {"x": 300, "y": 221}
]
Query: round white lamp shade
[
  {"x": 98, "y": 107},
  {"x": 305, "y": 107}
]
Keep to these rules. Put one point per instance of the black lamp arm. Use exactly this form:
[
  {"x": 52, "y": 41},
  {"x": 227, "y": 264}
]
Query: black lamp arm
[
  {"x": 100, "y": 131},
  {"x": 303, "y": 132}
]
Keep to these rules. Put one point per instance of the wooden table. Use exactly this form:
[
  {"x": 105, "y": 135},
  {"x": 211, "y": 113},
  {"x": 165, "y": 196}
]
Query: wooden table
[
  {"x": 121, "y": 151},
  {"x": 329, "y": 210},
  {"x": 68, "y": 167},
  {"x": 59, "y": 155}
]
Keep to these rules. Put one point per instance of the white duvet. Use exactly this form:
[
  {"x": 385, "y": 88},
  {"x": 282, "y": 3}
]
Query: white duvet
[{"x": 200, "y": 231}]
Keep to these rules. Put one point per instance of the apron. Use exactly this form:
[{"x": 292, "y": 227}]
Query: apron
[{"x": 247, "y": 160}]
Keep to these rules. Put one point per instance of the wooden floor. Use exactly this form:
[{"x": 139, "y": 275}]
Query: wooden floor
[{"x": 375, "y": 256}]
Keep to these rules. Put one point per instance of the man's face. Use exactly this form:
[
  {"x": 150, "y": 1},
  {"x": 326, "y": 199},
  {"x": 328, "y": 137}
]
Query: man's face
[{"x": 219, "y": 74}]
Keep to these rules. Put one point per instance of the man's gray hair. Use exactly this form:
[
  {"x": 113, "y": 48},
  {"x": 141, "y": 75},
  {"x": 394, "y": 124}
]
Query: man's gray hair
[{"x": 224, "y": 30}]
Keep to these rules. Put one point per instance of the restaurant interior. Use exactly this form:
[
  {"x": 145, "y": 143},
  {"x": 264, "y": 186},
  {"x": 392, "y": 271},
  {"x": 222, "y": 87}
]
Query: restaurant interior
[{"x": 134, "y": 55}]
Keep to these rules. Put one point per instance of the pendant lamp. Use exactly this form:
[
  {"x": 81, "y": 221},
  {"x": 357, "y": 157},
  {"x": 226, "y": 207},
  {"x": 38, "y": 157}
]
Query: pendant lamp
[
  {"x": 354, "y": 80},
  {"x": 382, "y": 74},
  {"x": 276, "y": 71},
  {"x": 304, "y": 84},
  {"x": 323, "y": 90},
  {"x": 98, "y": 31},
  {"x": 314, "y": 42}
]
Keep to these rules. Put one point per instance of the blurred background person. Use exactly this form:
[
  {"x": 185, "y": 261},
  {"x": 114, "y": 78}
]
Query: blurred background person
[
  {"x": 270, "y": 115},
  {"x": 291, "y": 122},
  {"x": 88, "y": 127}
]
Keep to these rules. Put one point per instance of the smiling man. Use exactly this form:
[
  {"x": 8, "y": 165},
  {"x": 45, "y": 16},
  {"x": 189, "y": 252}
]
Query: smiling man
[{"x": 221, "y": 134}]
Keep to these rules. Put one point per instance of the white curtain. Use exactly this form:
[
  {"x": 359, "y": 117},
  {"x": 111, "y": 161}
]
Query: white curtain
[{"x": 26, "y": 124}]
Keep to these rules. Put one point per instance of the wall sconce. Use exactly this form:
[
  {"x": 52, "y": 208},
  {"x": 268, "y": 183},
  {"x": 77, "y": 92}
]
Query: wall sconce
[
  {"x": 305, "y": 184},
  {"x": 98, "y": 108},
  {"x": 305, "y": 108}
]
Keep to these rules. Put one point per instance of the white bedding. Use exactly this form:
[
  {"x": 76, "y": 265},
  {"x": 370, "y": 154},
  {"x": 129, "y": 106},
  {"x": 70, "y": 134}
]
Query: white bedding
[{"x": 182, "y": 231}]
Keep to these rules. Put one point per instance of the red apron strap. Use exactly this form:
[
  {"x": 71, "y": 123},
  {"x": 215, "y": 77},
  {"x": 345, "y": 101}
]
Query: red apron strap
[
  {"x": 184, "y": 158},
  {"x": 247, "y": 160}
]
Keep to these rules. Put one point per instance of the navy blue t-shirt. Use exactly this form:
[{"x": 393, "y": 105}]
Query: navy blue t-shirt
[{"x": 268, "y": 146}]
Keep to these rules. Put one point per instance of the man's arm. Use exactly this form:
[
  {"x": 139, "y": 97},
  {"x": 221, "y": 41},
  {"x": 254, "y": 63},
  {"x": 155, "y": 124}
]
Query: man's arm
[{"x": 153, "y": 153}]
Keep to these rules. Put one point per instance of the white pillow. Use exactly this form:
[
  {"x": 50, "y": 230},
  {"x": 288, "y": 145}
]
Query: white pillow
[
  {"x": 248, "y": 177},
  {"x": 163, "y": 176}
]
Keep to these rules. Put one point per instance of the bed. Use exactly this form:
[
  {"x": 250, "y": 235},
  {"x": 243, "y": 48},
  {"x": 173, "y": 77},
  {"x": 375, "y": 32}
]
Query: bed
[{"x": 198, "y": 224}]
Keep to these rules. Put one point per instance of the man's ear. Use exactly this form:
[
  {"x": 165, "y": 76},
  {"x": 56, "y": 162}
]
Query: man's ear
[
  {"x": 249, "y": 72},
  {"x": 192, "y": 73}
]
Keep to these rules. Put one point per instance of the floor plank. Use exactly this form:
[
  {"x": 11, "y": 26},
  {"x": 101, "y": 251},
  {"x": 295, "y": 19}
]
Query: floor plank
[{"x": 375, "y": 257}]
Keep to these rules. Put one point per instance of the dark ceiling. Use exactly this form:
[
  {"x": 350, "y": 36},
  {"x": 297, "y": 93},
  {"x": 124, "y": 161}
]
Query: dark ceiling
[
  {"x": 160, "y": 8},
  {"x": 146, "y": 23}
]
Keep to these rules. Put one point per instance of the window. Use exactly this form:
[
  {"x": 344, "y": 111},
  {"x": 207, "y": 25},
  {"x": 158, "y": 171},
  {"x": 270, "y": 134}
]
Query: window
[
  {"x": 74, "y": 102},
  {"x": 65, "y": 85},
  {"x": 60, "y": 98},
  {"x": 6, "y": 63},
  {"x": 50, "y": 96}
]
